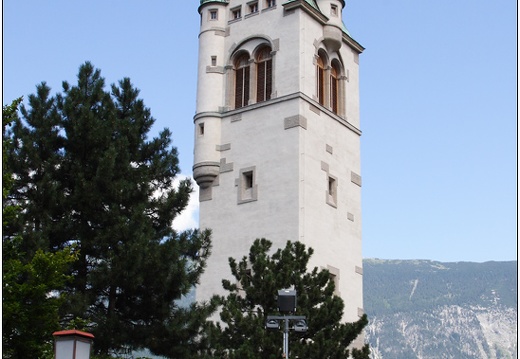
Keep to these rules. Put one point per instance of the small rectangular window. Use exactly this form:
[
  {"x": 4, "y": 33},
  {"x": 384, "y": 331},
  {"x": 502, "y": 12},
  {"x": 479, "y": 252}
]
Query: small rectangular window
[
  {"x": 334, "y": 277},
  {"x": 213, "y": 61},
  {"x": 247, "y": 188},
  {"x": 247, "y": 185},
  {"x": 213, "y": 14},
  {"x": 201, "y": 129},
  {"x": 332, "y": 191},
  {"x": 332, "y": 186},
  {"x": 248, "y": 180},
  {"x": 271, "y": 3},
  {"x": 334, "y": 10},
  {"x": 253, "y": 8},
  {"x": 236, "y": 13}
]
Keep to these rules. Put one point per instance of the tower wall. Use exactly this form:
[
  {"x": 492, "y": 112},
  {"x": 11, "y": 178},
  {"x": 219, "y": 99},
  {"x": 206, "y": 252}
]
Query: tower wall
[{"x": 288, "y": 168}]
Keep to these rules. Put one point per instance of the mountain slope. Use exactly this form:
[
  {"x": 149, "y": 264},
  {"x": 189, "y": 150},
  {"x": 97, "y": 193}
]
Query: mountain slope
[{"x": 427, "y": 309}]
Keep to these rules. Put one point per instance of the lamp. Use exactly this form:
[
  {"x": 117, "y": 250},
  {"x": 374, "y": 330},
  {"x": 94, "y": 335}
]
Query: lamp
[
  {"x": 300, "y": 326},
  {"x": 287, "y": 305},
  {"x": 72, "y": 344},
  {"x": 272, "y": 324},
  {"x": 287, "y": 301}
]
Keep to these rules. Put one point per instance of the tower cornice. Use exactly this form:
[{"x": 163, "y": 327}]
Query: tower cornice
[
  {"x": 353, "y": 43},
  {"x": 297, "y": 95},
  {"x": 308, "y": 8},
  {"x": 313, "y": 11}
]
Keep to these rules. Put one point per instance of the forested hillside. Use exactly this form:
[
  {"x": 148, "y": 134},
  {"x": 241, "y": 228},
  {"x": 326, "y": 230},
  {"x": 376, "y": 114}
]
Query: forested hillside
[{"x": 427, "y": 309}]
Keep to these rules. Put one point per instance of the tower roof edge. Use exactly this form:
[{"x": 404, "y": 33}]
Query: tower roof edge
[
  {"x": 315, "y": 5},
  {"x": 202, "y": 2}
]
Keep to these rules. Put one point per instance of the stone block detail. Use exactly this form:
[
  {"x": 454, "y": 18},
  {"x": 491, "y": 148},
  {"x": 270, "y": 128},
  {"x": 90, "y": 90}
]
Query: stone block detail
[
  {"x": 355, "y": 178},
  {"x": 276, "y": 45},
  {"x": 315, "y": 109},
  {"x": 225, "y": 167},
  {"x": 325, "y": 166},
  {"x": 236, "y": 118},
  {"x": 334, "y": 274},
  {"x": 215, "y": 69},
  {"x": 288, "y": 12},
  {"x": 328, "y": 149},
  {"x": 295, "y": 121},
  {"x": 348, "y": 76},
  {"x": 359, "y": 270},
  {"x": 350, "y": 216},
  {"x": 224, "y": 147},
  {"x": 205, "y": 194},
  {"x": 221, "y": 32}
]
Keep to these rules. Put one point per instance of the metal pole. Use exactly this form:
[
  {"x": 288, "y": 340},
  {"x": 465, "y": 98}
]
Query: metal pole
[
  {"x": 285, "y": 329},
  {"x": 283, "y": 346},
  {"x": 286, "y": 338}
]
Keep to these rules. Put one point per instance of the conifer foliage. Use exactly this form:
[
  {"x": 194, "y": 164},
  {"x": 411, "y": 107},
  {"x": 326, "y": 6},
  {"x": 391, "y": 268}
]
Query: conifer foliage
[
  {"x": 29, "y": 313},
  {"x": 253, "y": 295},
  {"x": 86, "y": 174}
]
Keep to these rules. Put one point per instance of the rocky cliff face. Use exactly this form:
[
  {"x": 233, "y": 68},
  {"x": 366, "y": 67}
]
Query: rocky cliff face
[{"x": 427, "y": 309}]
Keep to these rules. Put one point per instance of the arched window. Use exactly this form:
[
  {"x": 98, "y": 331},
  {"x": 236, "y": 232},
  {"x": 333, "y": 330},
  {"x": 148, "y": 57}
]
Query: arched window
[
  {"x": 330, "y": 90},
  {"x": 264, "y": 75},
  {"x": 242, "y": 81},
  {"x": 247, "y": 84},
  {"x": 320, "y": 80},
  {"x": 334, "y": 88}
]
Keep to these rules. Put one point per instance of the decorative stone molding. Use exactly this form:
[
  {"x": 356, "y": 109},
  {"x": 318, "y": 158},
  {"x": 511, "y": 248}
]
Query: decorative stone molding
[
  {"x": 205, "y": 194},
  {"x": 215, "y": 69},
  {"x": 295, "y": 121},
  {"x": 325, "y": 166},
  {"x": 315, "y": 109},
  {"x": 355, "y": 178},
  {"x": 329, "y": 149},
  {"x": 276, "y": 45},
  {"x": 222, "y": 32},
  {"x": 224, "y": 147},
  {"x": 225, "y": 167},
  {"x": 205, "y": 172}
]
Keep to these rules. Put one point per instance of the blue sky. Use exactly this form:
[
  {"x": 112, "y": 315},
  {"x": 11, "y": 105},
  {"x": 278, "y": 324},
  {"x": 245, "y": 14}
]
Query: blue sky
[{"x": 438, "y": 82}]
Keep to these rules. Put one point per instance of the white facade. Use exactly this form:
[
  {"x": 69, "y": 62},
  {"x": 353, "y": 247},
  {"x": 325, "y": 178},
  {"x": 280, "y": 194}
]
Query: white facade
[{"x": 285, "y": 166}]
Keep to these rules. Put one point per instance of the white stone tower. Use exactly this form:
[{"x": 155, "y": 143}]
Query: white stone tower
[{"x": 277, "y": 136}]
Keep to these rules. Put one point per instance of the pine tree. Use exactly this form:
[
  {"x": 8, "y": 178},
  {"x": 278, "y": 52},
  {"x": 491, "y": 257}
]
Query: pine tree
[
  {"x": 29, "y": 312},
  {"x": 254, "y": 296},
  {"x": 87, "y": 174}
]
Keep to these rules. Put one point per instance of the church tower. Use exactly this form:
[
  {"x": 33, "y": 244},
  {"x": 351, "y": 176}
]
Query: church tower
[{"x": 277, "y": 136}]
